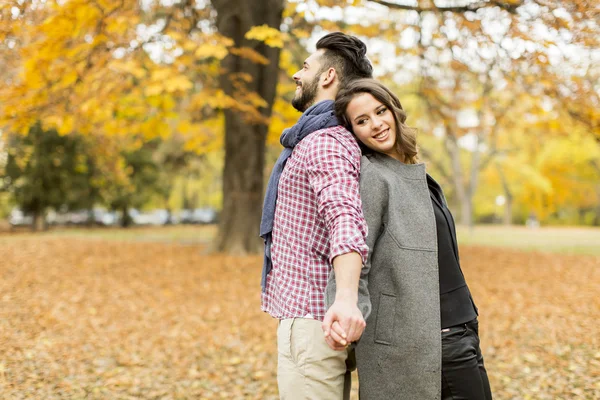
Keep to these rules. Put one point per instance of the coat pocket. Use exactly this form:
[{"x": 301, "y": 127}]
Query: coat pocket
[{"x": 386, "y": 314}]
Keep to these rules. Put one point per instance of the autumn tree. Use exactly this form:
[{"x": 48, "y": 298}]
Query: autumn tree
[
  {"x": 151, "y": 69},
  {"x": 245, "y": 134},
  {"x": 208, "y": 71},
  {"x": 472, "y": 63},
  {"x": 44, "y": 170}
]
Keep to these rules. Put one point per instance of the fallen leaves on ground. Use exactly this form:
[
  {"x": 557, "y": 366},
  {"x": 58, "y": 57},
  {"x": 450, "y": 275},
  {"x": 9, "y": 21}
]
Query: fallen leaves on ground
[{"x": 107, "y": 320}]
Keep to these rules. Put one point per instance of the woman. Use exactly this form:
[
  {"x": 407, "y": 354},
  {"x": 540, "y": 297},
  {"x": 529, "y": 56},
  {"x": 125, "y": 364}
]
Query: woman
[{"x": 421, "y": 339}]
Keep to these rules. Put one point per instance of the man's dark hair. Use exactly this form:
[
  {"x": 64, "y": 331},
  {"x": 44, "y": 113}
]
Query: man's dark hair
[{"x": 347, "y": 54}]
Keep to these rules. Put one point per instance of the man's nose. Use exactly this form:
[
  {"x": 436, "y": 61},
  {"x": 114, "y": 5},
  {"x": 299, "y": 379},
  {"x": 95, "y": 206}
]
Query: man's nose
[{"x": 296, "y": 76}]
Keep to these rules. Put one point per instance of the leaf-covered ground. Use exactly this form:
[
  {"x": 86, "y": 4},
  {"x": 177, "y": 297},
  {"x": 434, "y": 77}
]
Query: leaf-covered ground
[{"x": 102, "y": 319}]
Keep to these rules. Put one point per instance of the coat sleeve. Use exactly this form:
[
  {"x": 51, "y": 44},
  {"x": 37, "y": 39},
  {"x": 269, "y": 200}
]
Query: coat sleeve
[{"x": 374, "y": 195}]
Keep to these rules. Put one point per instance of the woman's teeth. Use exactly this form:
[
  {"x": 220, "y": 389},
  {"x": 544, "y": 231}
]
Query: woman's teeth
[{"x": 380, "y": 135}]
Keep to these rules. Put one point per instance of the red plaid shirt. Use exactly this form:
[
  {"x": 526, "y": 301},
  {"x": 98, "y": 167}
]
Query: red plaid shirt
[{"x": 318, "y": 216}]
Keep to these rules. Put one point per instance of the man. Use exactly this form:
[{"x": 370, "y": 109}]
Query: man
[{"x": 312, "y": 222}]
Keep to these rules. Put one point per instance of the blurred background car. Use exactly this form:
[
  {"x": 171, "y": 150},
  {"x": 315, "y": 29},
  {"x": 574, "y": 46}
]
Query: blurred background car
[
  {"x": 198, "y": 216},
  {"x": 153, "y": 217},
  {"x": 19, "y": 218}
]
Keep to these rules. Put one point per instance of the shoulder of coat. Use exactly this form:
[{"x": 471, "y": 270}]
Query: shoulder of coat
[
  {"x": 368, "y": 165},
  {"x": 370, "y": 172}
]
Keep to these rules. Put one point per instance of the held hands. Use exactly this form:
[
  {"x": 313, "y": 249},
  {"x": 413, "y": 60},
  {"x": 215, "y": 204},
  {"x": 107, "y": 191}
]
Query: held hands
[{"x": 343, "y": 324}]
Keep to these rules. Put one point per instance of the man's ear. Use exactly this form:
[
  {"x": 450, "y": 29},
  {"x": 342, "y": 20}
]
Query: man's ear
[{"x": 329, "y": 77}]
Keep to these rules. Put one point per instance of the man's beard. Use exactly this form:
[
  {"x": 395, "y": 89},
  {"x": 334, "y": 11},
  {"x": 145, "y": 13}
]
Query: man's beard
[{"x": 308, "y": 96}]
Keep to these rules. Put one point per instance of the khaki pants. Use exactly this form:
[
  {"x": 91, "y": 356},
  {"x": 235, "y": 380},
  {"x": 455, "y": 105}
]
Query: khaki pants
[{"x": 307, "y": 368}]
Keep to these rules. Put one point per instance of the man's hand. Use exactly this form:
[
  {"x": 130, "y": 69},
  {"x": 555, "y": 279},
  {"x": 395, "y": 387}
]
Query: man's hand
[{"x": 343, "y": 323}]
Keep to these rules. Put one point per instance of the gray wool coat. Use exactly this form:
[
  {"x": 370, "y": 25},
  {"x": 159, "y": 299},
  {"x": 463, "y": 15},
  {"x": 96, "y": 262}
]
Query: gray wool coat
[{"x": 399, "y": 355}]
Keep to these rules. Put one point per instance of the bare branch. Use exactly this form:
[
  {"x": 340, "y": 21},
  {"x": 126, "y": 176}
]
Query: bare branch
[
  {"x": 491, "y": 155},
  {"x": 510, "y": 7},
  {"x": 437, "y": 163},
  {"x": 596, "y": 165},
  {"x": 586, "y": 121}
]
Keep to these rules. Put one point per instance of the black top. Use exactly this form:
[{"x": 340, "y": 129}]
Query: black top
[{"x": 456, "y": 304}]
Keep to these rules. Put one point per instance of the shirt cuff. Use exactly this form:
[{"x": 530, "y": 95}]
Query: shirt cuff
[{"x": 345, "y": 248}]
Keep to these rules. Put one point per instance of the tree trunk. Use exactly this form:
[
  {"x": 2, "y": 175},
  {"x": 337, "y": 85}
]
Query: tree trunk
[
  {"x": 507, "y": 218},
  {"x": 184, "y": 193},
  {"x": 245, "y": 141},
  {"x": 508, "y": 210},
  {"x": 38, "y": 223},
  {"x": 126, "y": 220},
  {"x": 596, "y": 222},
  {"x": 459, "y": 185},
  {"x": 597, "y": 214},
  {"x": 472, "y": 187},
  {"x": 90, "y": 222}
]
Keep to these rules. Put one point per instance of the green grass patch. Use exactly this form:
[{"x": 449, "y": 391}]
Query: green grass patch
[
  {"x": 570, "y": 240},
  {"x": 182, "y": 234},
  {"x": 564, "y": 240}
]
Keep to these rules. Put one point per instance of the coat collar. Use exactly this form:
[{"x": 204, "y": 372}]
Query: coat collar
[{"x": 407, "y": 171}]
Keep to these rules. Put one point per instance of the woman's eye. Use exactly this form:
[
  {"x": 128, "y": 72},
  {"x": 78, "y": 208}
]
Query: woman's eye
[
  {"x": 381, "y": 111},
  {"x": 361, "y": 121}
]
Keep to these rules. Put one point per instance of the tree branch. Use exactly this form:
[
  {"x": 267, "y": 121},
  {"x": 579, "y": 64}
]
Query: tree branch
[
  {"x": 489, "y": 157},
  {"x": 437, "y": 163},
  {"x": 510, "y": 7}
]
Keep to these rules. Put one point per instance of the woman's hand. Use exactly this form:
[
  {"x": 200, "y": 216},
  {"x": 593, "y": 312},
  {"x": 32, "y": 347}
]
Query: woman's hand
[{"x": 343, "y": 324}]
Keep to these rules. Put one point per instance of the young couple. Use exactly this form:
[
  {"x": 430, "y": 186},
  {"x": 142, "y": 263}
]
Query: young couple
[{"x": 355, "y": 230}]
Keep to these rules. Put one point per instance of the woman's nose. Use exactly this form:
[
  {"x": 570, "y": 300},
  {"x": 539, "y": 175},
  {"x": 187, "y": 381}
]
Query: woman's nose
[{"x": 376, "y": 123}]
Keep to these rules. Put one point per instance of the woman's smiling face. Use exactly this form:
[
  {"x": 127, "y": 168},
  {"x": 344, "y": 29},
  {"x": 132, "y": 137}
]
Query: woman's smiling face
[{"x": 373, "y": 124}]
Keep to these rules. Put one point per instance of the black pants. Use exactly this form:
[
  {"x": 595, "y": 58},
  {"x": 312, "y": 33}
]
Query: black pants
[{"x": 463, "y": 375}]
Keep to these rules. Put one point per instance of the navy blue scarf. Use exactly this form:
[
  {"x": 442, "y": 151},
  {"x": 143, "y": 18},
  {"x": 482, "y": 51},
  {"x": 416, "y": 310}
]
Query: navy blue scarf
[{"x": 316, "y": 117}]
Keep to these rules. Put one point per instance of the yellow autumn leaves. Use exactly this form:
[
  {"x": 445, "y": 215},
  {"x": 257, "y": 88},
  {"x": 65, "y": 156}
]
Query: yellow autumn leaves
[{"x": 91, "y": 67}]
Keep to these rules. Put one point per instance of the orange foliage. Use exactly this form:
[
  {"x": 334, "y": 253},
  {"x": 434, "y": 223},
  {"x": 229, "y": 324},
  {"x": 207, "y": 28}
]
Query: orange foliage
[{"x": 101, "y": 319}]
